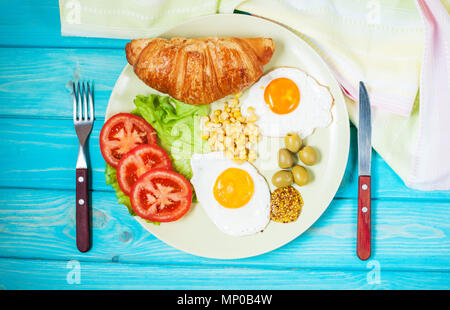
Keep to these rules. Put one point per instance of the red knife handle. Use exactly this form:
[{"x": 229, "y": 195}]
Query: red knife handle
[
  {"x": 82, "y": 211},
  {"x": 363, "y": 240}
]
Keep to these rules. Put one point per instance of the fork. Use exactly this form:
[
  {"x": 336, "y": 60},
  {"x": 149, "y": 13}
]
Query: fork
[{"x": 83, "y": 119}]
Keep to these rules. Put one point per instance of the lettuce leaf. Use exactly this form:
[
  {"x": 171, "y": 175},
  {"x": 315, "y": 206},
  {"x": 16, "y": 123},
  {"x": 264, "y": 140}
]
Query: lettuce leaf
[
  {"x": 111, "y": 179},
  {"x": 178, "y": 127}
]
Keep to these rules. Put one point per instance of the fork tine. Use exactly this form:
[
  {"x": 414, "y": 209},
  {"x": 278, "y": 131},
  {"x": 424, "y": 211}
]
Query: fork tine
[
  {"x": 85, "y": 102},
  {"x": 74, "y": 102},
  {"x": 79, "y": 102},
  {"x": 91, "y": 103}
]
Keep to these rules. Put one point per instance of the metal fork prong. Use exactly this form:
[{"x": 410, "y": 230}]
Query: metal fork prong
[
  {"x": 85, "y": 99},
  {"x": 91, "y": 103},
  {"x": 74, "y": 102},
  {"x": 80, "y": 110}
]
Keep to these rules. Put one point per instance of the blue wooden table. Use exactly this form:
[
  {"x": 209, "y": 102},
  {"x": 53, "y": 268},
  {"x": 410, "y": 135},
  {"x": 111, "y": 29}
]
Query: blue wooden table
[{"x": 37, "y": 211}]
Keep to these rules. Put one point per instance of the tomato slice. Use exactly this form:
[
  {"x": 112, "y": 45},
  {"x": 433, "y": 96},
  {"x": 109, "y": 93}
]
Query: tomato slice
[
  {"x": 121, "y": 133},
  {"x": 161, "y": 195},
  {"x": 138, "y": 161}
]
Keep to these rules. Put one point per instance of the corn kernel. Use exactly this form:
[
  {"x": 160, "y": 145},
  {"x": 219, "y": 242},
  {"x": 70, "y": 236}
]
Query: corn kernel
[
  {"x": 229, "y": 154},
  {"x": 250, "y": 146},
  {"x": 235, "y": 129},
  {"x": 223, "y": 116},
  {"x": 228, "y": 141},
  {"x": 233, "y": 102},
  {"x": 253, "y": 138},
  {"x": 240, "y": 146},
  {"x": 243, "y": 154},
  {"x": 251, "y": 115},
  {"x": 241, "y": 140},
  {"x": 205, "y": 135},
  {"x": 252, "y": 156},
  {"x": 252, "y": 129},
  {"x": 252, "y": 118}
]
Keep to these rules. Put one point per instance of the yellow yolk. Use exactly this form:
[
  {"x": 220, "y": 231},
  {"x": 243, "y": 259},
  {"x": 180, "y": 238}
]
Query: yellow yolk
[
  {"x": 233, "y": 188},
  {"x": 282, "y": 95}
]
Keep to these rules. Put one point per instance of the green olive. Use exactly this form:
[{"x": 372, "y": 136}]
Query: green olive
[
  {"x": 285, "y": 159},
  {"x": 308, "y": 155},
  {"x": 301, "y": 176},
  {"x": 293, "y": 142},
  {"x": 282, "y": 178}
]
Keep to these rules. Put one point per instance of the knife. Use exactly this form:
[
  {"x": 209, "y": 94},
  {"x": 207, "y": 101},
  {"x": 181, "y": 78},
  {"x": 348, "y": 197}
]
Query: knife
[{"x": 363, "y": 240}]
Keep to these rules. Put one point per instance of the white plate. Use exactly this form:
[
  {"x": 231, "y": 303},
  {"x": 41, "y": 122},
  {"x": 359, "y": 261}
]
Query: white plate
[{"x": 195, "y": 233}]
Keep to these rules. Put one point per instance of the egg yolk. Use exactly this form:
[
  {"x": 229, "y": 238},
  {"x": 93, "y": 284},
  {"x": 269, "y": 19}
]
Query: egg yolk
[
  {"x": 282, "y": 95},
  {"x": 233, "y": 188}
]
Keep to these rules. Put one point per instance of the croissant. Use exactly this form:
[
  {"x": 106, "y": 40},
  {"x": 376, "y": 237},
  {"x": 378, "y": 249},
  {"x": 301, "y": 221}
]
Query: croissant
[{"x": 201, "y": 70}]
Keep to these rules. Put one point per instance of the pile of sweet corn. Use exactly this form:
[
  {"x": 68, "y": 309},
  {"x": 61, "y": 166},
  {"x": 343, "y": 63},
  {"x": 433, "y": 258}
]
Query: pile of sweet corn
[{"x": 227, "y": 130}]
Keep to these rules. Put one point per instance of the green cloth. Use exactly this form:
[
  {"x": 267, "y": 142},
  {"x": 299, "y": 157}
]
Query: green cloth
[{"x": 127, "y": 19}]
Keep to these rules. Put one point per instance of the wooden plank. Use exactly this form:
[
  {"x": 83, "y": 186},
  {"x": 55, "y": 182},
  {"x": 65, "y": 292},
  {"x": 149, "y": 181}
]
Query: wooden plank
[
  {"x": 37, "y": 23},
  {"x": 37, "y": 82},
  {"x": 47, "y": 150},
  {"x": 34, "y": 274},
  {"x": 39, "y": 224}
]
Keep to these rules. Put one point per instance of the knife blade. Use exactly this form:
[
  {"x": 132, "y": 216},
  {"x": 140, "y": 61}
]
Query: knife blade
[
  {"x": 364, "y": 132},
  {"x": 363, "y": 240}
]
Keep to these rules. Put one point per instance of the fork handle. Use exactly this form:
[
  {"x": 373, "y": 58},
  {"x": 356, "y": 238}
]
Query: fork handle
[{"x": 82, "y": 210}]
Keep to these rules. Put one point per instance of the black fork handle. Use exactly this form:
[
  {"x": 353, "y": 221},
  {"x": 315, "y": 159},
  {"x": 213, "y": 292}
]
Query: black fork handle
[{"x": 82, "y": 210}]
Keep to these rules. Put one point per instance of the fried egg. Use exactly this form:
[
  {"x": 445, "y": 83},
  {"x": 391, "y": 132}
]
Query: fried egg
[
  {"x": 289, "y": 100},
  {"x": 234, "y": 196}
]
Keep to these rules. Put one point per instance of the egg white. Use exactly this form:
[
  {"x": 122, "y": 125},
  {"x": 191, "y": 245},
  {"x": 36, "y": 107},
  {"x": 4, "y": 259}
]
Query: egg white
[
  {"x": 313, "y": 111},
  {"x": 249, "y": 219}
]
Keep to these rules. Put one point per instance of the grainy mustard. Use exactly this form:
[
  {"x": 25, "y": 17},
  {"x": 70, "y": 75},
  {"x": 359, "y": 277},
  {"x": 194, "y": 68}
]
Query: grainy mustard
[{"x": 285, "y": 204}]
